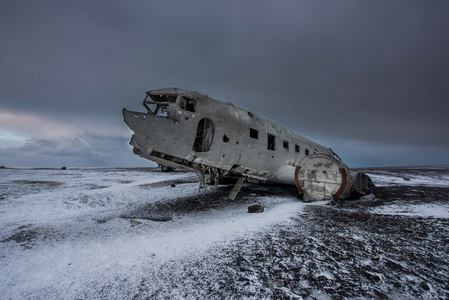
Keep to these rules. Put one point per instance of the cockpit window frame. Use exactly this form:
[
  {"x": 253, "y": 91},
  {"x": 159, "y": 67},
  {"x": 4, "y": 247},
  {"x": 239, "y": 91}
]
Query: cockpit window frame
[
  {"x": 166, "y": 104},
  {"x": 161, "y": 106},
  {"x": 187, "y": 103},
  {"x": 164, "y": 98}
]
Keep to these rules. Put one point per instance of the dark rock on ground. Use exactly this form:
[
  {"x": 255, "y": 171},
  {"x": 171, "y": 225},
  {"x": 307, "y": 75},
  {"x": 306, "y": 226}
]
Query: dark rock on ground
[{"x": 256, "y": 208}]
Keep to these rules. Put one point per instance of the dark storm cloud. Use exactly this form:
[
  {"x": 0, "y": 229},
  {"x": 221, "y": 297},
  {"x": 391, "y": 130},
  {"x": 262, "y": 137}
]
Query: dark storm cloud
[{"x": 367, "y": 78}]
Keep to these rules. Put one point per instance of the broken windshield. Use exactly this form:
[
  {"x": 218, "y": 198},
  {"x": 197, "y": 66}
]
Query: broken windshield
[
  {"x": 164, "y": 98},
  {"x": 157, "y": 104},
  {"x": 187, "y": 104}
]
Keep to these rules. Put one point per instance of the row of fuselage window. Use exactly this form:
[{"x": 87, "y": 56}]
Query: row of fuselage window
[{"x": 271, "y": 145}]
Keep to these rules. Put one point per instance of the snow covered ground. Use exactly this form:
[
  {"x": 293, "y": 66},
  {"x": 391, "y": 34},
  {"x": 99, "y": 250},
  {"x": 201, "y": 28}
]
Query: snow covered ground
[
  {"x": 436, "y": 176},
  {"x": 141, "y": 233},
  {"x": 409, "y": 182}
]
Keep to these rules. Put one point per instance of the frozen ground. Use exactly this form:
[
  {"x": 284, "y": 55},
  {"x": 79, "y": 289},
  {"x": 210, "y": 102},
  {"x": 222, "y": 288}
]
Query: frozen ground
[{"x": 141, "y": 233}]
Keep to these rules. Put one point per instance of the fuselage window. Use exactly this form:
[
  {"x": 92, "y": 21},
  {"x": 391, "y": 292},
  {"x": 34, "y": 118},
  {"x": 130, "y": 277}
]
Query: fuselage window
[
  {"x": 187, "y": 104},
  {"x": 271, "y": 142},
  {"x": 296, "y": 148},
  {"x": 286, "y": 144},
  {"x": 253, "y": 133},
  {"x": 204, "y": 135},
  {"x": 307, "y": 151}
]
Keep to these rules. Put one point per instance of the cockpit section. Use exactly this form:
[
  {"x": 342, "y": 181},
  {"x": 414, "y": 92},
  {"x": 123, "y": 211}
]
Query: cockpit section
[{"x": 169, "y": 105}]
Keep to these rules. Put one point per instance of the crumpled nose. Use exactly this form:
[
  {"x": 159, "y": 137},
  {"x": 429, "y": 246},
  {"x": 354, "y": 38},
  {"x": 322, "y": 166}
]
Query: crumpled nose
[{"x": 136, "y": 121}]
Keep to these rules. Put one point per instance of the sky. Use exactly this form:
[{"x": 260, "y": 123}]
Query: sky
[{"x": 370, "y": 79}]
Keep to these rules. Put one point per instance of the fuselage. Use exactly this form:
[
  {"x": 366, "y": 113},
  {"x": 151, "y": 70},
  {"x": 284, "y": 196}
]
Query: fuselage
[{"x": 189, "y": 130}]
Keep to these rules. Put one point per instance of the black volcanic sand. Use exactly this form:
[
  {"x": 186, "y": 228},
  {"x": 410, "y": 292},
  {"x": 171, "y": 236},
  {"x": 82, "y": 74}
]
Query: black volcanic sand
[
  {"x": 334, "y": 251},
  {"x": 339, "y": 251}
]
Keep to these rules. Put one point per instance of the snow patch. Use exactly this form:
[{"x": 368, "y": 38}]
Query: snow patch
[
  {"x": 419, "y": 210},
  {"x": 59, "y": 238}
]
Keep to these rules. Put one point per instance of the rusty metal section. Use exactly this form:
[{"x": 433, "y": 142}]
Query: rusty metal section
[
  {"x": 321, "y": 177},
  {"x": 325, "y": 177}
]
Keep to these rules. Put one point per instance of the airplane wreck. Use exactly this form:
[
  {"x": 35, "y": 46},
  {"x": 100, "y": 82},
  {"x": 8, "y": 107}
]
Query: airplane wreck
[{"x": 219, "y": 141}]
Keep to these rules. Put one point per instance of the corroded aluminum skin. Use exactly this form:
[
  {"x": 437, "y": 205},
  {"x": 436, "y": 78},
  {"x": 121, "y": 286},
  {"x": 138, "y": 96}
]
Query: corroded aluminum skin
[{"x": 170, "y": 140}]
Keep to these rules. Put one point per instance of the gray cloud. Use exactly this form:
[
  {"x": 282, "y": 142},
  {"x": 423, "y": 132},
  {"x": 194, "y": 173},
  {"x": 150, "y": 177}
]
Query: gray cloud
[
  {"x": 368, "y": 79},
  {"x": 94, "y": 151}
]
